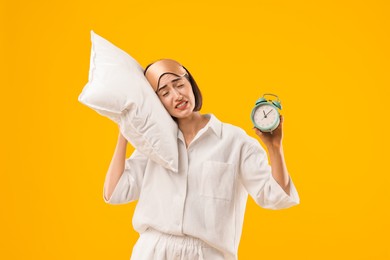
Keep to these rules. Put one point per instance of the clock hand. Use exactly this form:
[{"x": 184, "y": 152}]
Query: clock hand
[
  {"x": 265, "y": 116},
  {"x": 269, "y": 112}
]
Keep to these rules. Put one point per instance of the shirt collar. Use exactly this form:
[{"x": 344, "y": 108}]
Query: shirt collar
[{"x": 214, "y": 124}]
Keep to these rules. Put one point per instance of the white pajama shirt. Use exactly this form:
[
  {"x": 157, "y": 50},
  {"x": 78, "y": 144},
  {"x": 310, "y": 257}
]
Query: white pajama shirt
[{"x": 206, "y": 199}]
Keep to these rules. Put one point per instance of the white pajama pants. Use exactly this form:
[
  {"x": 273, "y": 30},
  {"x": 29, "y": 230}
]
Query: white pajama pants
[{"x": 154, "y": 245}]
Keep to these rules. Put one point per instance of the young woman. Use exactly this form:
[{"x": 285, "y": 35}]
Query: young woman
[{"x": 198, "y": 212}]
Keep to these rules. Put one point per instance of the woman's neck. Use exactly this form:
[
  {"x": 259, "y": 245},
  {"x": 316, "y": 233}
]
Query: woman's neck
[{"x": 190, "y": 125}]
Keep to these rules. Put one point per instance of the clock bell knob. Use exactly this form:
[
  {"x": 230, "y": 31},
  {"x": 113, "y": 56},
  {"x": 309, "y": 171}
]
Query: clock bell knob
[
  {"x": 260, "y": 100},
  {"x": 277, "y": 104}
]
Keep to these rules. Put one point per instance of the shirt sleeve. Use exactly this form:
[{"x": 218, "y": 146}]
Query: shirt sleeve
[
  {"x": 129, "y": 184},
  {"x": 256, "y": 176}
]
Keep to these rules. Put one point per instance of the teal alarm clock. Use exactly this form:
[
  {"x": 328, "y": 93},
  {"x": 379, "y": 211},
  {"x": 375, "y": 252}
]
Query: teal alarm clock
[{"x": 265, "y": 115}]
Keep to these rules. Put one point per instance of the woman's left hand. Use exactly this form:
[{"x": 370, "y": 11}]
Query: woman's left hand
[{"x": 272, "y": 139}]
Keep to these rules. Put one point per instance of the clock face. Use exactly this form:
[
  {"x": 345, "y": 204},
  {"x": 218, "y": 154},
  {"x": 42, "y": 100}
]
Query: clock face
[{"x": 265, "y": 116}]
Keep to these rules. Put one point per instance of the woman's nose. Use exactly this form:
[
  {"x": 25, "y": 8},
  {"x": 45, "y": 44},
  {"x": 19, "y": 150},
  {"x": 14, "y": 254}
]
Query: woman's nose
[{"x": 178, "y": 95}]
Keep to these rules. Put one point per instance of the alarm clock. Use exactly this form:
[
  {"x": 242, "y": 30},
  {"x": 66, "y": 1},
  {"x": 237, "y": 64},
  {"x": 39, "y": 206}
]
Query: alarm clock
[{"x": 265, "y": 115}]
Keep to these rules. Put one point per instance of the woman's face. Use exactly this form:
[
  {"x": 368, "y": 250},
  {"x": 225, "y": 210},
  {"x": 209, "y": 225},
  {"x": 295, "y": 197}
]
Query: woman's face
[{"x": 176, "y": 95}]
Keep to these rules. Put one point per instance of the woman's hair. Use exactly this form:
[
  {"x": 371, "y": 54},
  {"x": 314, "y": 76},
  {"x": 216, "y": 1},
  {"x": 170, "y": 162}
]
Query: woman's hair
[{"x": 195, "y": 88}]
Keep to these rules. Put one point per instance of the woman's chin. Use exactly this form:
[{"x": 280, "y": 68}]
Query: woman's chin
[{"x": 182, "y": 114}]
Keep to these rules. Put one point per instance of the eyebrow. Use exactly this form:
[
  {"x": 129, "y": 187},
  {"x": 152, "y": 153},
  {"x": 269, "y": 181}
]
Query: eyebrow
[{"x": 174, "y": 80}]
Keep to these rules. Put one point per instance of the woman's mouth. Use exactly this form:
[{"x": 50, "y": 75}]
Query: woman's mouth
[{"x": 182, "y": 105}]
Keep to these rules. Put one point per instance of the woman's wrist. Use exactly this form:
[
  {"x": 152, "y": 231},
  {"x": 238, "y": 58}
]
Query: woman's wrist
[
  {"x": 121, "y": 138},
  {"x": 275, "y": 148}
]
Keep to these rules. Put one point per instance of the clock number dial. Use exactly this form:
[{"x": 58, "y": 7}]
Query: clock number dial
[{"x": 265, "y": 116}]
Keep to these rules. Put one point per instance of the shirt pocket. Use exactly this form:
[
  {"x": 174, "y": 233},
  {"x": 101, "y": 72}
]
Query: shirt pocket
[{"x": 217, "y": 180}]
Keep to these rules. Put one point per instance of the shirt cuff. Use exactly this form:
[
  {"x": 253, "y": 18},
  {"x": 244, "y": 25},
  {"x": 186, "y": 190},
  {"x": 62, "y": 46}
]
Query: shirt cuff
[
  {"x": 118, "y": 196},
  {"x": 284, "y": 200}
]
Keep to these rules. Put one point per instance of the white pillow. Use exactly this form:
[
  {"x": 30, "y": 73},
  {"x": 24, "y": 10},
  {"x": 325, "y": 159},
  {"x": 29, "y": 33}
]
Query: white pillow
[{"x": 118, "y": 89}]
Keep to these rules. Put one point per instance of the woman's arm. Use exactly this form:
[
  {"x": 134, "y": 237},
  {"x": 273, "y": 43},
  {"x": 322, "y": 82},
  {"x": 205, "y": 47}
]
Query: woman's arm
[
  {"x": 275, "y": 150},
  {"x": 116, "y": 167},
  {"x": 279, "y": 168}
]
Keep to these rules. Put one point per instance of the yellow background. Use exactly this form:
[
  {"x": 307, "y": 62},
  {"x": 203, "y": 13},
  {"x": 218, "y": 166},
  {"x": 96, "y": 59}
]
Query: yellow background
[{"x": 327, "y": 60}]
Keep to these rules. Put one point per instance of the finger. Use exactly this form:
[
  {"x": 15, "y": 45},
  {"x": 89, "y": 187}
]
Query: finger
[
  {"x": 281, "y": 122},
  {"x": 257, "y": 131},
  {"x": 280, "y": 125}
]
